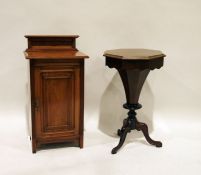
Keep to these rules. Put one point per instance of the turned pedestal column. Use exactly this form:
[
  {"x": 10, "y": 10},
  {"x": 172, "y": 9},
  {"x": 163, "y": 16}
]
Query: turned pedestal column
[{"x": 133, "y": 66}]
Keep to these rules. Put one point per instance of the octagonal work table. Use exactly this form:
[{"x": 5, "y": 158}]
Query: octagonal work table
[{"x": 133, "y": 66}]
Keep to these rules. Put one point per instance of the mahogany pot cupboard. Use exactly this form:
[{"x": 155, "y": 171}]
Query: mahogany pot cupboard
[{"x": 57, "y": 89}]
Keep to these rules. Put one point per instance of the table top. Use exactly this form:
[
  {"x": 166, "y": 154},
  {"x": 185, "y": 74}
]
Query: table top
[{"x": 134, "y": 54}]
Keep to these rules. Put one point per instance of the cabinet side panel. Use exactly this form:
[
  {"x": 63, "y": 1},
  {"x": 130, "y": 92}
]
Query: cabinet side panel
[
  {"x": 33, "y": 117},
  {"x": 81, "y": 104}
]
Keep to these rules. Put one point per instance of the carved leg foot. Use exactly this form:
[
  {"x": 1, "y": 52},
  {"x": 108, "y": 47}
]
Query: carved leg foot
[
  {"x": 144, "y": 128},
  {"x": 122, "y": 139}
]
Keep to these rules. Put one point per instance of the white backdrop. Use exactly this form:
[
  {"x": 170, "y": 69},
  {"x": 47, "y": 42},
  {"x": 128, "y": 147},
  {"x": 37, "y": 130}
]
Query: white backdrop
[
  {"x": 171, "y": 26},
  {"x": 171, "y": 95}
]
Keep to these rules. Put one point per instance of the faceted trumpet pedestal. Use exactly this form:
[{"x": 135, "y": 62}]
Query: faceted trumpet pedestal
[{"x": 133, "y": 66}]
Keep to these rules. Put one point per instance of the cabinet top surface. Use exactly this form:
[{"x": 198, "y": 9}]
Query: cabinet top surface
[
  {"x": 134, "y": 54},
  {"x": 55, "y": 54},
  {"x": 53, "y": 47},
  {"x": 51, "y": 36}
]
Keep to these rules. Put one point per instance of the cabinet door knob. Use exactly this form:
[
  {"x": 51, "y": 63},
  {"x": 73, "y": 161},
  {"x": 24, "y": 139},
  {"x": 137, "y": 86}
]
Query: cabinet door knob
[{"x": 36, "y": 103}]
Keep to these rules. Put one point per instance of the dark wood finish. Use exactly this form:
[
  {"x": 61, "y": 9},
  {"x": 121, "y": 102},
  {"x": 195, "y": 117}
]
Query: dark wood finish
[
  {"x": 131, "y": 123},
  {"x": 51, "y": 42},
  {"x": 133, "y": 66},
  {"x": 57, "y": 89},
  {"x": 133, "y": 80}
]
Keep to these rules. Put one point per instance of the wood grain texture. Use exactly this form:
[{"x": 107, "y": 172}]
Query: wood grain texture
[
  {"x": 55, "y": 54},
  {"x": 134, "y": 54},
  {"x": 57, "y": 90},
  {"x": 53, "y": 47}
]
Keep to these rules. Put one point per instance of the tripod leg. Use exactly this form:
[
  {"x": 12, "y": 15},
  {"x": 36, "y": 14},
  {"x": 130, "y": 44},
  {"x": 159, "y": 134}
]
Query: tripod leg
[
  {"x": 144, "y": 128},
  {"x": 121, "y": 141}
]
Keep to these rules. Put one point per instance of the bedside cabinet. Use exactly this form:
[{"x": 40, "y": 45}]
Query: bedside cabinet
[{"x": 57, "y": 89}]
